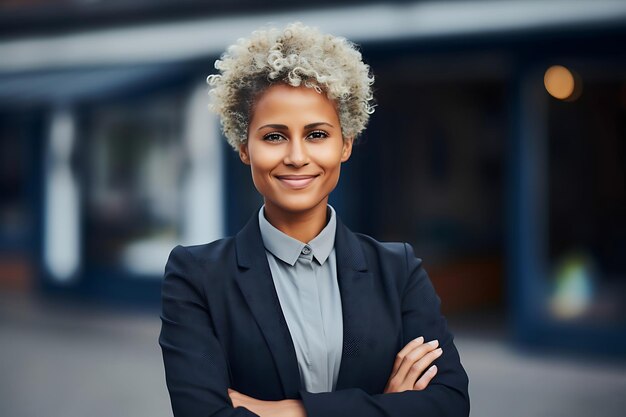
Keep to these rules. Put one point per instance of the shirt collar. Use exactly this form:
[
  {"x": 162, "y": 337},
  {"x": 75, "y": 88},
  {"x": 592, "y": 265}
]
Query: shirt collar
[{"x": 288, "y": 249}]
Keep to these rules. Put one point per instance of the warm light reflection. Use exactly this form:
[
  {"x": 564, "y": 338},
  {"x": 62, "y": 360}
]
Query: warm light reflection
[{"x": 560, "y": 82}]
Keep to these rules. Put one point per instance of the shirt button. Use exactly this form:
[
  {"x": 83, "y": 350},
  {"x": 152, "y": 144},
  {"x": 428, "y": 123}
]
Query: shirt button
[{"x": 306, "y": 250}]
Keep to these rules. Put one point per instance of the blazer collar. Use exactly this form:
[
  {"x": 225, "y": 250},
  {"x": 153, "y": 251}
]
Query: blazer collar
[
  {"x": 249, "y": 244},
  {"x": 355, "y": 284},
  {"x": 348, "y": 249},
  {"x": 255, "y": 281}
]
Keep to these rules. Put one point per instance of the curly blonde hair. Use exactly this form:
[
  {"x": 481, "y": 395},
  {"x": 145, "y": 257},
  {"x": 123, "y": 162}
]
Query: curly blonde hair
[{"x": 297, "y": 55}]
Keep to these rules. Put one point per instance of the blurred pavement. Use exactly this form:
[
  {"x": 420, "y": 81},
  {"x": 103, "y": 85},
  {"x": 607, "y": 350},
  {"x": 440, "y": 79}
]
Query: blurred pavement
[{"x": 71, "y": 361}]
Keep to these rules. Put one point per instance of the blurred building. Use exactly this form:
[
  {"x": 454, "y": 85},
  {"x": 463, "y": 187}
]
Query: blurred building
[{"x": 497, "y": 148}]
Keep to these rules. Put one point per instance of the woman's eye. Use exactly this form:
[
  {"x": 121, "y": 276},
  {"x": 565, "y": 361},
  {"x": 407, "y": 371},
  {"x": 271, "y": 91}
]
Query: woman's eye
[
  {"x": 273, "y": 137},
  {"x": 318, "y": 134}
]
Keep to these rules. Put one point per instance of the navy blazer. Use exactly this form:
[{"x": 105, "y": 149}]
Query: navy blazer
[{"x": 222, "y": 326}]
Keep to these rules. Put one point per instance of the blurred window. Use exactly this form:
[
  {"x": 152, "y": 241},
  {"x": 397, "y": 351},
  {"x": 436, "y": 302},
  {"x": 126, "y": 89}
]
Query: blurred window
[
  {"x": 134, "y": 168},
  {"x": 587, "y": 201},
  {"x": 18, "y": 198},
  {"x": 431, "y": 174},
  {"x": 16, "y": 217}
]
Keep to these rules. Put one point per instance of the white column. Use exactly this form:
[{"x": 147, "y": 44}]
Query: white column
[
  {"x": 203, "y": 198},
  {"x": 61, "y": 206}
]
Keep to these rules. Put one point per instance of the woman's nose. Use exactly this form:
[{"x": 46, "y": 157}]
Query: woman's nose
[{"x": 296, "y": 154}]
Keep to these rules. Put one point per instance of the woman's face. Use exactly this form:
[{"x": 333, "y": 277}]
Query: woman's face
[{"x": 295, "y": 148}]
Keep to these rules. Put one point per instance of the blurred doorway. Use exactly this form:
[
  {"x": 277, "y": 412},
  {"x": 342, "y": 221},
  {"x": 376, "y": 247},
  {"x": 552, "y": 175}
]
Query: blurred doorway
[
  {"x": 431, "y": 171},
  {"x": 20, "y": 139}
]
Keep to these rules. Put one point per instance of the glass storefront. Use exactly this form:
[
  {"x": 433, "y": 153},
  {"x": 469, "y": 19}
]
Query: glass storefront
[
  {"x": 133, "y": 169},
  {"x": 587, "y": 200},
  {"x": 18, "y": 198}
]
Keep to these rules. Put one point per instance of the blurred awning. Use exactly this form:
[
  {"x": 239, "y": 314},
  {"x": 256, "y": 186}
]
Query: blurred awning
[
  {"x": 58, "y": 86},
  {"x": 207, "y": 36}
]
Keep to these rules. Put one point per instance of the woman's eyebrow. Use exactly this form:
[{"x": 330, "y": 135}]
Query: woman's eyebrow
[
  {"x": 317, "y": 124},
  {"x": 285, "y": 127},
  {"x": 274, "y": 126}
]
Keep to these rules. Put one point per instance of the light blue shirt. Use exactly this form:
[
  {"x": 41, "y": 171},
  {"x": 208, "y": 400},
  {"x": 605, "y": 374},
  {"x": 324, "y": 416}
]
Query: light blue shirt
[{"x": 305, "y": 277}]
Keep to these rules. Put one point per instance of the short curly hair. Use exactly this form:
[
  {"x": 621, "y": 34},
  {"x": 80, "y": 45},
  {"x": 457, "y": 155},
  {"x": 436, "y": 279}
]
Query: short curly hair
[{"x": 297, "y": 55}]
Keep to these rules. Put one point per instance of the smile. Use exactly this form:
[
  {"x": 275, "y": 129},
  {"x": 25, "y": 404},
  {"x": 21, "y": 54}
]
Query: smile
[{"x": 296, "y": 182}]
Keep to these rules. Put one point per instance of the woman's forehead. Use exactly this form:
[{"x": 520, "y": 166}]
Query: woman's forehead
[{"x": 286, "y": 104}]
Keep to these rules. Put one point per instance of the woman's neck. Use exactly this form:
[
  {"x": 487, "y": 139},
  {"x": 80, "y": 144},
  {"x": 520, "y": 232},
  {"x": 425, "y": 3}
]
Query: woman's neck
[{"x": 302, "y": 225}]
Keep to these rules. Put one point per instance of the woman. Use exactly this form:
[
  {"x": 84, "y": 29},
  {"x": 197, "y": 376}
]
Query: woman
[{"x": 296, "y": 315}]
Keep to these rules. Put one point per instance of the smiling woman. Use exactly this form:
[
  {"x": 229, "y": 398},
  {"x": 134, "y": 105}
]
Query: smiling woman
[
  {"x": 295, "y": 150},
  {"x": 297, "y": 315}
]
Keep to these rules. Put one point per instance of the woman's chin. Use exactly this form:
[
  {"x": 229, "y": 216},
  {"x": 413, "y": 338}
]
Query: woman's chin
[{"x": 296, "y": 204}]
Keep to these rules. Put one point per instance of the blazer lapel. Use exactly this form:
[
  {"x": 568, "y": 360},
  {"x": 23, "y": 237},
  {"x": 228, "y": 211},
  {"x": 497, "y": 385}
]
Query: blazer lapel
[
  {"x": 355, "y": 285},
  {"x": 256, "y": 284}
]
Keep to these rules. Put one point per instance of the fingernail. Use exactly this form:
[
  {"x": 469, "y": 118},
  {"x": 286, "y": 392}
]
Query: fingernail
[
  {"x": 419, "y": 339},
  {"x": 432, "y": 369},
  {"x": 434, "y": 342},
  {"x": 439, "y": 351}
]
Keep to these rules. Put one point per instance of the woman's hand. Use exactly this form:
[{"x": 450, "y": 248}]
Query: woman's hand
[
  {"x": 410, "y": 363},
  {"x": 284, "y": 408}
]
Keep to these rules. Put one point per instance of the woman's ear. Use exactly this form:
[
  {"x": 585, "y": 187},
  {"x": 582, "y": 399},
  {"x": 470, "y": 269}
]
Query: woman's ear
[
  {"x": 243, "y": 153},
  {"x": 346, "y": 151}
]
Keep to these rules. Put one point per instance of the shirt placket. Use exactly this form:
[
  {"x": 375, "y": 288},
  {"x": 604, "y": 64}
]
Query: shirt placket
[{"x": 316, "y": 358}]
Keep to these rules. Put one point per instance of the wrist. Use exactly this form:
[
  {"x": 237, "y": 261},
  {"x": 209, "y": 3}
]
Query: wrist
[{"x": 293, "y": 408}]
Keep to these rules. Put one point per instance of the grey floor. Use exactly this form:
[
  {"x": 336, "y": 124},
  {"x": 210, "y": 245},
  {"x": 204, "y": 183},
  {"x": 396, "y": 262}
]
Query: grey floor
[{"x": 69, "y": 361}]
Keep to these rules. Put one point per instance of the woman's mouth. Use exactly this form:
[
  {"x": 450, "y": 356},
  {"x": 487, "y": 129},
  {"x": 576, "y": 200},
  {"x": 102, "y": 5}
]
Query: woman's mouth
[{"x": 296, "y": 181}]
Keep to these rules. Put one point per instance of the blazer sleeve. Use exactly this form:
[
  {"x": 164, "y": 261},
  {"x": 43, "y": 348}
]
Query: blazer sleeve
[
  {"x": 447, "y": 393},
  {"x": 195, "y": 366}
]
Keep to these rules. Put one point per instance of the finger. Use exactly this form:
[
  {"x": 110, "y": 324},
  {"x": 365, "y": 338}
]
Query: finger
[
  {"x": 423, "y": 382},
  {"x": 414, "y": 356},
  {"x": 421, "y": 365},
  {"x": 405, "y": 350}
]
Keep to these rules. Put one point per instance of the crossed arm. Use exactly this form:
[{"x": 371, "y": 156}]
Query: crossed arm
[
  {"x": 412, "y": 370},
  {"x": 198, "y": 378}
]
